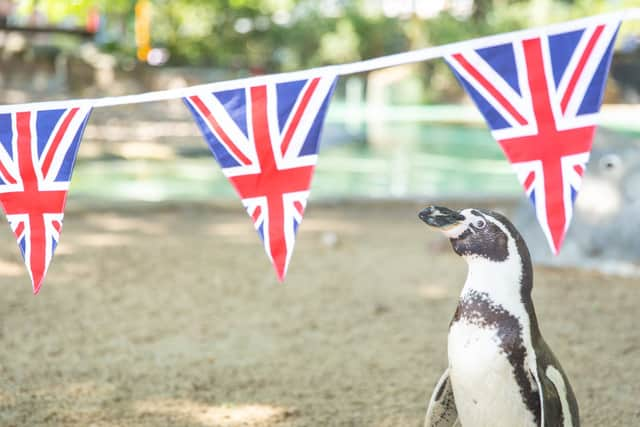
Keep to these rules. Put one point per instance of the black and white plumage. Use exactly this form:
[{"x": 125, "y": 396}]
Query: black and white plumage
[{"x": 501, "y": 371}]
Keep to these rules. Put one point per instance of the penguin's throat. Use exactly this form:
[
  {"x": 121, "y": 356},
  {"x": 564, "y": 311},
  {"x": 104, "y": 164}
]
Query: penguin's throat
[{"x": 501, "y": 281}]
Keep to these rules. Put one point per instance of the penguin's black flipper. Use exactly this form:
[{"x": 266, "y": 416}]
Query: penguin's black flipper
[
  {"x": 442, "y": 411},
  {"x": 558, "y": 402},
  {"x": 549, "y": 401}
]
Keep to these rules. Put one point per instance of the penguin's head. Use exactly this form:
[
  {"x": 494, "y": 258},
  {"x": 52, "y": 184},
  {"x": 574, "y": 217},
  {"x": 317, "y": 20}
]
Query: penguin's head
[{"x": 475, "y": 233}]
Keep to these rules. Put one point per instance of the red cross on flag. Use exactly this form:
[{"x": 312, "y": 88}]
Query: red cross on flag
[{"x": 265, "y": 137}]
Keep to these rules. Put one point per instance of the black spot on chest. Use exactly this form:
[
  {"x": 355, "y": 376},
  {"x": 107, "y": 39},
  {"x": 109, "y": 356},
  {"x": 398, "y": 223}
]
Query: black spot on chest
[{"x": 478, "y": 309}]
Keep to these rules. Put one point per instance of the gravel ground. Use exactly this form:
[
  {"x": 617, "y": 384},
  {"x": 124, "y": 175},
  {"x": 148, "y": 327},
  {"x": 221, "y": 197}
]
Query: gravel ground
[{"x": 164, "y": 314}]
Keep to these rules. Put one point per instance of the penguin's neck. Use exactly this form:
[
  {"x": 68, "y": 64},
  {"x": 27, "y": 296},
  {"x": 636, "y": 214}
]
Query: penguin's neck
[{"x": 505, "y": 283}]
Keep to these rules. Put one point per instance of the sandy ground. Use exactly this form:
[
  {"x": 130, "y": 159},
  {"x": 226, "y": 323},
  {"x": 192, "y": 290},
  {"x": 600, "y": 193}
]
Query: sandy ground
[{"x": 171, "y": 315}]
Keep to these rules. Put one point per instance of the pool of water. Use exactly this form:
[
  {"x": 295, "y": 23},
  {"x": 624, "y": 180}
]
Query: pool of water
[{"x": 357, "y": 160}]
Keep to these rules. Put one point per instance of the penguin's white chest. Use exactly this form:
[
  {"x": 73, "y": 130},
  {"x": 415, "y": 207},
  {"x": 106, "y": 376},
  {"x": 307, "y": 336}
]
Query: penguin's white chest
[{"x": 483, "y": 381}]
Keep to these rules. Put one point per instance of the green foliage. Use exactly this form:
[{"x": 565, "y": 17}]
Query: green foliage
[{"x": 283, "y": 35}]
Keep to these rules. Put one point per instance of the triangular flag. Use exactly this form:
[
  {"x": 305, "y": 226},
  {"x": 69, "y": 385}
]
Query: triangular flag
[
  {"x": 265, "y": 137},
  {"x": 540, "y": 94},
  {"x": 38, "y": 149}
]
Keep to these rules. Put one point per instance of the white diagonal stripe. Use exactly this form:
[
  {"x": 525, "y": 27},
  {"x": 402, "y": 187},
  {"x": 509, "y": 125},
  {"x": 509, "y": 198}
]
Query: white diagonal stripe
[
  {"x": 307, "y": 120},
  {"x": 588, "y": 73},
  {"x": 477, "y": 62},
  {"x": 67, "y": 139}
]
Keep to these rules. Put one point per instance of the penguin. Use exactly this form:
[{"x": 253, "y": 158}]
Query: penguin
[{"x": 501, "y": 372}]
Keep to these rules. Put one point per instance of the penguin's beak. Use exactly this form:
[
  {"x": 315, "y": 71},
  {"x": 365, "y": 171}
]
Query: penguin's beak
[{"x": 440, "y": 217}]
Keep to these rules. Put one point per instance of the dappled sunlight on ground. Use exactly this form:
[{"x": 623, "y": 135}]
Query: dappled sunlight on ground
[
  {"x": 242, "y": 231},
  {"x": 119, "y": 223},
  {"x": 11, "y": 269},
  {"x": 312, "y": 224},
  {"x": 101, "y": 240},
  {"x": 171, "y": 315},
  {"x": 213, "y": 415},
  {"x": 64, "y": 248},
  {"x": 239, "y": 231},
  {"x": 436, "y": 291}
]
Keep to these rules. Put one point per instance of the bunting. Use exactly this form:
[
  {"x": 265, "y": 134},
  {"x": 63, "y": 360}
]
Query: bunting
[
  {"x": 540, "y": 96},
  {"x": 265, "y": 137},
  {"x": 539, "y": 90},
  {"x": 37, "y": 152}
]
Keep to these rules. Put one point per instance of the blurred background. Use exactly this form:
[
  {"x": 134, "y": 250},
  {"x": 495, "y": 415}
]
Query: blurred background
[
  {"x": 157, "y": 314},
  {"x": 403, "y": 132}
]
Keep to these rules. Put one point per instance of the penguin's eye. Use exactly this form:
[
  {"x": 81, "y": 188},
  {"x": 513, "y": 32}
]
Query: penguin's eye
[{"x": 480, "y": 224}]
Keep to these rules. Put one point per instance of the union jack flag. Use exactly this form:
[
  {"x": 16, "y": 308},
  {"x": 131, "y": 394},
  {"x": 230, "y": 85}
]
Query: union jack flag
[
  {"x": 37, "y": 153},
  {"x": 540, "y": 95},
  {"x": 265, "y": 138}
]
